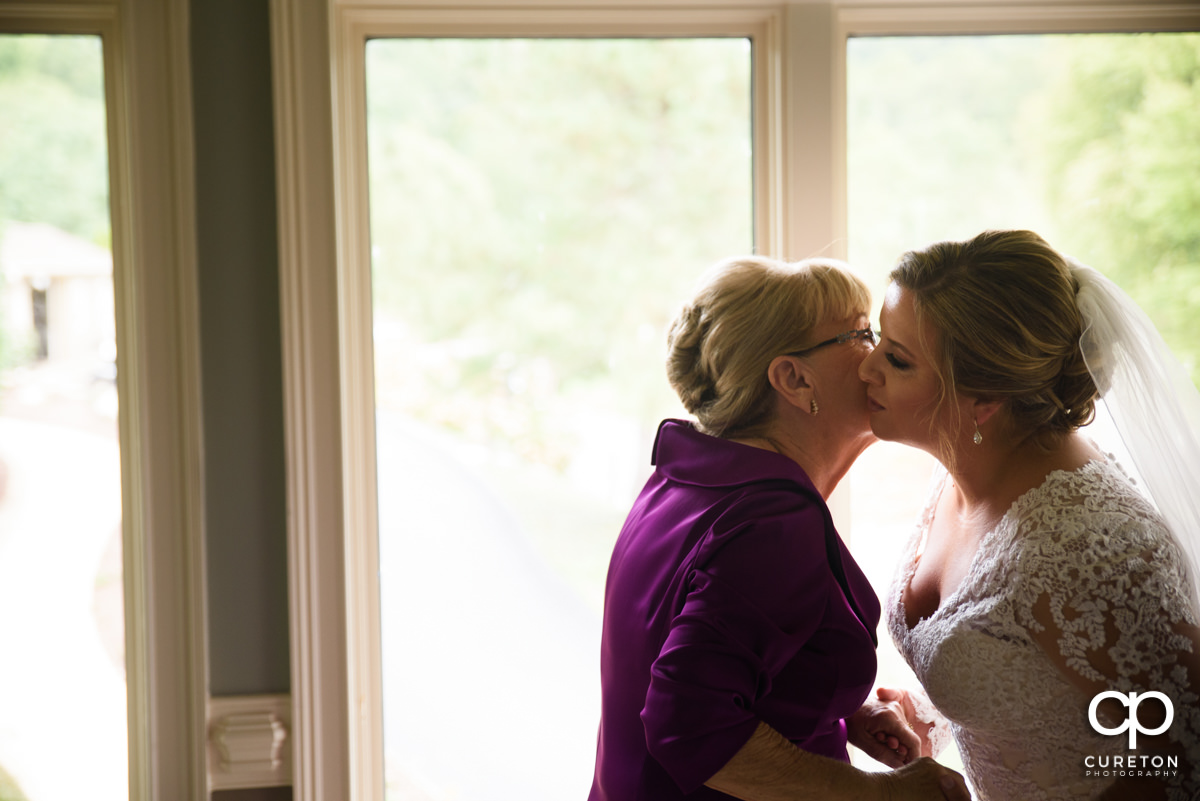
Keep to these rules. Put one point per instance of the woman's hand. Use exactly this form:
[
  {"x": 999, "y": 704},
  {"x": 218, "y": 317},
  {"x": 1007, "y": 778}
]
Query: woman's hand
[
  {"x": 923, "y": 780},
  {"x": 882, "y": 728}
]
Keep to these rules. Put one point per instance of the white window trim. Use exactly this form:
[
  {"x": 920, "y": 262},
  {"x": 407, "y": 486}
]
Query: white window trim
[
  {"x": 800, "y": 194},
  {"x": 148, "y": 107}
]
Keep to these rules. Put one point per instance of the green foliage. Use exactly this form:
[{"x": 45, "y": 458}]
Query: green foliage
[
  {"x": 1123, "y": 169},
  {"x": 532, "y": 203},
  {"x": 934, "y": 145},
  {"x": 53, "y": 166},
  {"x": 1093, "y": 141},
  {"x": 9, "y": 789},
  {"x": 70, "y": 61}
]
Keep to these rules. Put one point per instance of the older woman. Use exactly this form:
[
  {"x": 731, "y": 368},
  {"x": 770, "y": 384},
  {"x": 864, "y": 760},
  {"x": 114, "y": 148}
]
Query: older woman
[
  {"x": 738, "y": 630},
  {"x": 1040, "y": 585}
]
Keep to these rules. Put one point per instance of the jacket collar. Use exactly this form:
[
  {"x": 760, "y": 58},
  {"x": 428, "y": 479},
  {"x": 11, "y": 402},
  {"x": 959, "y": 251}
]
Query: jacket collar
[{"x": 685, "y": 455}]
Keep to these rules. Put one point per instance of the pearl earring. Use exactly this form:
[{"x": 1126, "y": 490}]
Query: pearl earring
[
  {"x": 814, "y": 407},
  {"x": 978, "y": 438}
]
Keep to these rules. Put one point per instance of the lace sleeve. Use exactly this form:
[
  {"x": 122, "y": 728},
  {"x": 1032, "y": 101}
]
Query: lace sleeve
[
  {"x": 1103, "y": 592},
  {"x": 933, "y": 726}
]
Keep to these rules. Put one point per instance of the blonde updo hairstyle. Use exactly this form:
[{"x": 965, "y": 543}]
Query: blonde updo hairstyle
[
  {"x": 1008, "y": 329},
  {"x": 747, "y": 311}
]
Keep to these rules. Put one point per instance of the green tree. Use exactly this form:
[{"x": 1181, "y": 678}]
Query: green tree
[
  {"x": 934, "y": 145},
  {"x": 9, "y": 789},
  {"x": 1122, "y": 160},
  {"x": 533, "y": 202},
  {"x": 53, "y": 166}
]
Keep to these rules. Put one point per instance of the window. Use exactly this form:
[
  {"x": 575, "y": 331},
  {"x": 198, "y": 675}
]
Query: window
[
  {"x": 800, "y": 200},
  {"x": 58, "y": 427},
  {"x": 155, "y": 490},
  {"x": 537, "y": 211}
]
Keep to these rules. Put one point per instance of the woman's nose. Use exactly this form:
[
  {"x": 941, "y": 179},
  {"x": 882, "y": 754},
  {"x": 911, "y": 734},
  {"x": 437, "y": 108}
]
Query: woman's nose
[{"x": 866, "y": 368}]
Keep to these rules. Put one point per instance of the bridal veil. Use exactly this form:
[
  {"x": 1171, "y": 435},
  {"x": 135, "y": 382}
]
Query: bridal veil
[{"x": 1151, "y": 401}]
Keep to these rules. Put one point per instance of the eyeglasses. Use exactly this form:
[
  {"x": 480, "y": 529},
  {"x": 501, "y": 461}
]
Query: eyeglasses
[{"x": 865, "y": 334}]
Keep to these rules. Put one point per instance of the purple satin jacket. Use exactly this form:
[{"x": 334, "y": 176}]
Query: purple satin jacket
[{"x": 722, "y": 609}]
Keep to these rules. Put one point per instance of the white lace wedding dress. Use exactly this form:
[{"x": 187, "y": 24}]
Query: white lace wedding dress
[{"x": 1083, "y": 565}]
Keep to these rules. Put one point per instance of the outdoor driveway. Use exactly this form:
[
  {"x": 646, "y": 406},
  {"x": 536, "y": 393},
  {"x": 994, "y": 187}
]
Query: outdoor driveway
[{"x": 62, "y": 699}]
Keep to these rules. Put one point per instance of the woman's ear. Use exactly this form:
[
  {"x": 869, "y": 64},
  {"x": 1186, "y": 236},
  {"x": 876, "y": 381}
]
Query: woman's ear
[
  {"x": 792, "y": 379},
  {"x": 982, "y": 410}
]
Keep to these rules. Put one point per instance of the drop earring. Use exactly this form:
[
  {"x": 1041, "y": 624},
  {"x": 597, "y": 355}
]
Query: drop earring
[
  {"x": 978, "y": 438},
  {"x": 813, "y": 405}
]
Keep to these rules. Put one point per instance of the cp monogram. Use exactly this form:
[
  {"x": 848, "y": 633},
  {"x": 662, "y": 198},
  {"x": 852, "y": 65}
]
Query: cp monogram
[{"x": 1132, "y": 723}]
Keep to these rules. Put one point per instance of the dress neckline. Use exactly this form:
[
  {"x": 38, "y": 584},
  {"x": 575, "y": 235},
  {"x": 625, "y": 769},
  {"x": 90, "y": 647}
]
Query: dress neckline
[{"x": 925, "y": 524}]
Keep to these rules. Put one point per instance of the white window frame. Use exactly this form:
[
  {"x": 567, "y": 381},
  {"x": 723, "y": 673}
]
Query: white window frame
[
  {"x": 318, "y": 45},
  {"x": 148, "y": 109}
]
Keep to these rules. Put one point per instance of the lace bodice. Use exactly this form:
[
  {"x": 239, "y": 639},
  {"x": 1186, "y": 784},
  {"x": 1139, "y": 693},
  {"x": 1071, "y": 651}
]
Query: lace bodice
[{"x": 1078, "y": 589}]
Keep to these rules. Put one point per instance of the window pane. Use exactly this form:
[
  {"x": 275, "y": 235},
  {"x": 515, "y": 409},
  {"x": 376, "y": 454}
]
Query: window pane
[
  {"x": 62, "y": 679},
  {"x": 1090, "y": 140},
  {"x": 538, "y": 209}
]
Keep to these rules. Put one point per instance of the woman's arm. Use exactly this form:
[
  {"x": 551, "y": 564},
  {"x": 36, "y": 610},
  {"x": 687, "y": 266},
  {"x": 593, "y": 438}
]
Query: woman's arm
[
  {"x": 770, "y": 768},
  {"x": 1124, "y": 625}
]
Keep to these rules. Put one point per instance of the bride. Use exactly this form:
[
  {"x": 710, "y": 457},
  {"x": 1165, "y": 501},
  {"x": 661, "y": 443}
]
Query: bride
[{"x": 1042, "y": 589}]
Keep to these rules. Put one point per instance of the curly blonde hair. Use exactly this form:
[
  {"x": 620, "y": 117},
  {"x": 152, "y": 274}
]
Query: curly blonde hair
[{"x": 747, "y": 311}]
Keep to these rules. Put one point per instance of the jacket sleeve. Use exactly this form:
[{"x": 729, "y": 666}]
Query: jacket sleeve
[{"x": 749, "y": 608}]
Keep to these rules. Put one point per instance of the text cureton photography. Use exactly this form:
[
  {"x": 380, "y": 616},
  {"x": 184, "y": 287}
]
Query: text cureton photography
[{"x": 1131, "y": 765}]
